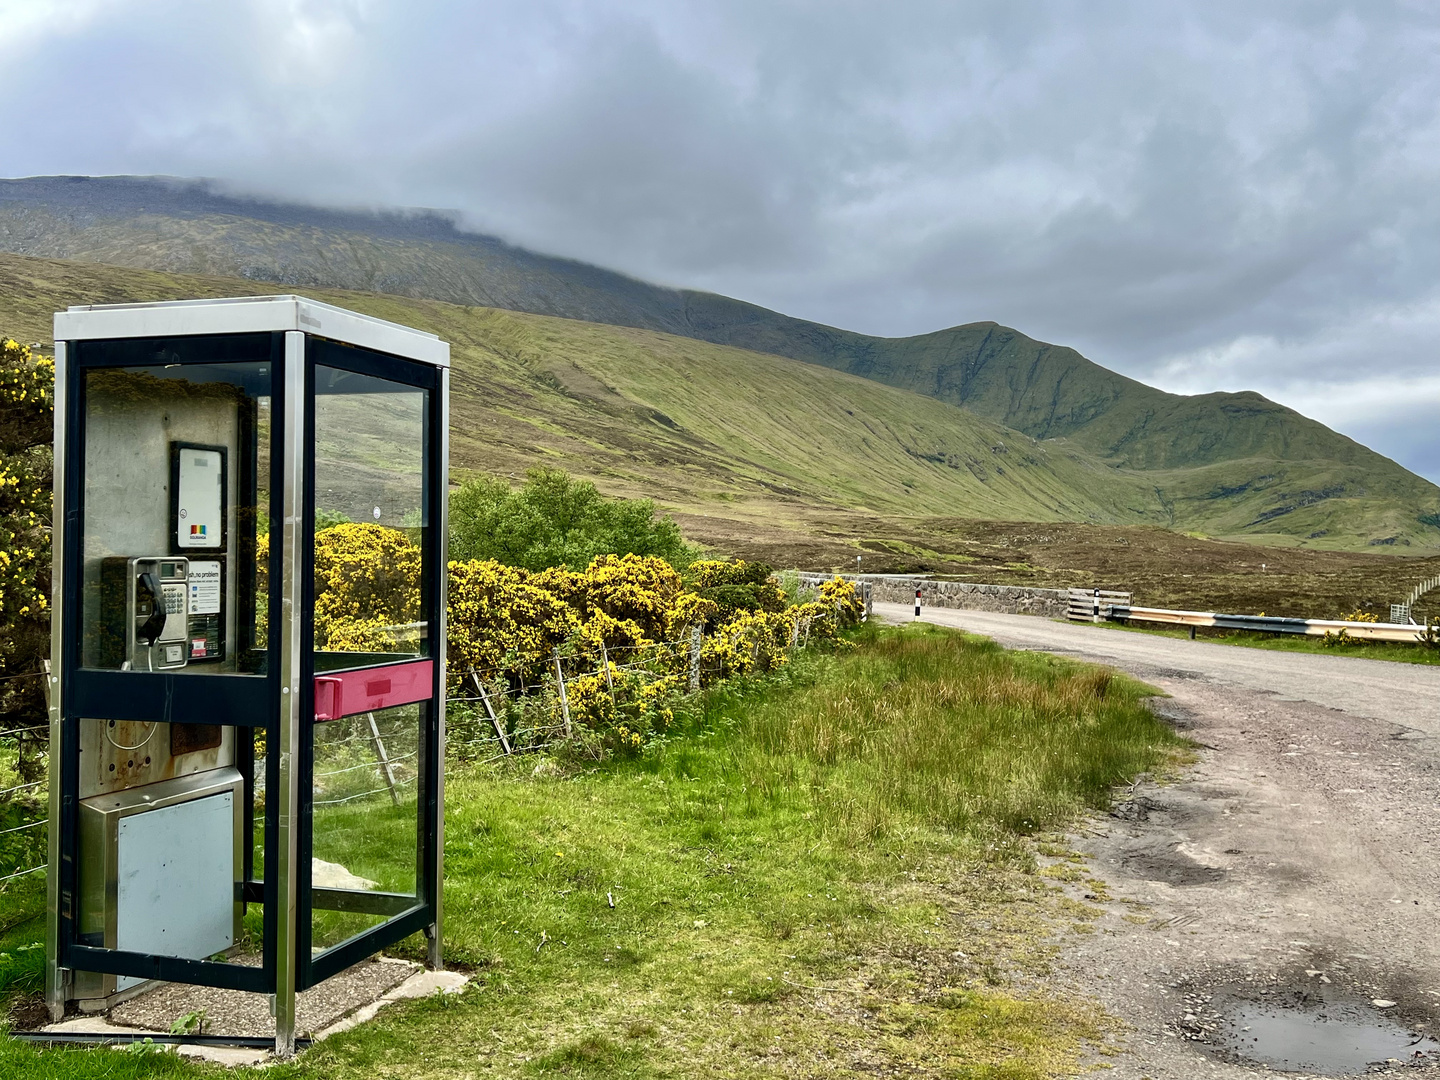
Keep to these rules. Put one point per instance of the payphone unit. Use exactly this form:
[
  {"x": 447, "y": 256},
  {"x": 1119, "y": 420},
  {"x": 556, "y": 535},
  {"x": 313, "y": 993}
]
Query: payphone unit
[{"x": 146, "y": 601}]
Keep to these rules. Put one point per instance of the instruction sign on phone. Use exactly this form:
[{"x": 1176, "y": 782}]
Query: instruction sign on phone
[{"x": 205, "y": 588}]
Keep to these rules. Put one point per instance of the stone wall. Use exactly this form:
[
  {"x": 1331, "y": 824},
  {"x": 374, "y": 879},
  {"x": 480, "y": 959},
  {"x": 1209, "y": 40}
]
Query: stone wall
[{"x": 1010, "y": 599}]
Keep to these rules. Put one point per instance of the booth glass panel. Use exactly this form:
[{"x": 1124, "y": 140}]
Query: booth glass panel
[
  {"x": 256, "y": 742},
  {"x": 370, "y": 456},
  {"x": 365, "y": 821},
  {"x": 175, "y": 517}
]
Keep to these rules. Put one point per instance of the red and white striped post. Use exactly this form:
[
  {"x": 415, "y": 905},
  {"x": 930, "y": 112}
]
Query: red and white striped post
[{"x": 917, "y": 601}]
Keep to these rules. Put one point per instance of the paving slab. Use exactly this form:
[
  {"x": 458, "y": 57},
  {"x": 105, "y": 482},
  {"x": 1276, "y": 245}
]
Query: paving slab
[{"x": 235, "y": 1012}]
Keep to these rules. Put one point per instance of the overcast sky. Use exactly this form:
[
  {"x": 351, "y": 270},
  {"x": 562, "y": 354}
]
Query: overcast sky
[{"x": 1206, "y": 196}]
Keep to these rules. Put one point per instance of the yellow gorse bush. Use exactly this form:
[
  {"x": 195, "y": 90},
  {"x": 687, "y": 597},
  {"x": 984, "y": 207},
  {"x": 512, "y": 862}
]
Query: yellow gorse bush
[
  {"x": 844, "y": 598},
  {"x": 27, "y": 394},
  {"x": 499, "y": 619},
  {"x": 27, "y": 390},
  {"x": 640, "y": 589}
]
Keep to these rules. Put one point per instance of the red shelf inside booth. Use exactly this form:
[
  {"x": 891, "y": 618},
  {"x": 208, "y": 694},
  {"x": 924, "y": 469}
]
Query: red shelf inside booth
[{"x": 347, "y": 693}]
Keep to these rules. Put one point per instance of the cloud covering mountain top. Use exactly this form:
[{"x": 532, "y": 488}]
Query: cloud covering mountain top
[{"x": 1201, "y": 195}]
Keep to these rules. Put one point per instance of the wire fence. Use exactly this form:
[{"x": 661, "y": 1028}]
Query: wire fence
[{"x": 499, "y": 711}]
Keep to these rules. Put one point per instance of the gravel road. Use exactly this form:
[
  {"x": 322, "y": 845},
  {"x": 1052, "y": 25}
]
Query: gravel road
[{"x": 1295, "y": 863}]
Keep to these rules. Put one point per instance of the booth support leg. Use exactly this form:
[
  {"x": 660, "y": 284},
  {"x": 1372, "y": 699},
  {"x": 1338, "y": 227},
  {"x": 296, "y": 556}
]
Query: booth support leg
[
  {"x": 434, "y": 959},
  {"x": 434, "y": 935},
  {"x": 57, "y": 978},
  {"x": 287, "y": 858}
]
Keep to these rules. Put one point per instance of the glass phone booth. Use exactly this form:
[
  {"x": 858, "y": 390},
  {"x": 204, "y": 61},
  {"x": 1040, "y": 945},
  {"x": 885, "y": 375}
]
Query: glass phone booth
[{"x": 247, "y": 691}]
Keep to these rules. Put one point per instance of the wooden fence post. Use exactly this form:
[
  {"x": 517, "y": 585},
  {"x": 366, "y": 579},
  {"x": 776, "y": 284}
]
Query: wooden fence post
[
  {"x": 495, "y": 720},
  {"x": 694, "y": 659},
  {"x": 564, "y": 701},
  {"x": 605, "y": 659},
  {"x": 387, "y": 771}
]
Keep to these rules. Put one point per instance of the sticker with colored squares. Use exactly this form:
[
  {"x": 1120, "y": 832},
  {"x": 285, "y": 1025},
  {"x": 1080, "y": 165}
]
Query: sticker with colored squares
[{"x": 197, "y": 530}]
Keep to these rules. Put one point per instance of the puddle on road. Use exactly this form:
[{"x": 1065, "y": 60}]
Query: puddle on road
[{"x": 1331, "y": 1039}]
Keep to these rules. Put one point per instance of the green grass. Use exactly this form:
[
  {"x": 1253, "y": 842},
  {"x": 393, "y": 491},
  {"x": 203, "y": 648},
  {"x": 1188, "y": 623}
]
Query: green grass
[
  {"x": 972, "y": 740},
  {"x": 22, "y": 936},
  {"x": 22, "y": 899},
  {"x": 830, "y": 870},
  {"x": 1394, "y": 651}
]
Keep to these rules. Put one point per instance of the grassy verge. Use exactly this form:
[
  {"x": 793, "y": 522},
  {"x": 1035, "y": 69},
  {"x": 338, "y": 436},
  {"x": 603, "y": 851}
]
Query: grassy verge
[
  {"x": 22, "y": 937},
  {"x": 830, "y": 872},
  {"x": 1399, "y": 652}
]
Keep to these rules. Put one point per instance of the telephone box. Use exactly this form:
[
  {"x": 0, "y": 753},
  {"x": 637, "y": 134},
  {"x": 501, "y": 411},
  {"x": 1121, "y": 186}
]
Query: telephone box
[{"x": 247, "y": 721}]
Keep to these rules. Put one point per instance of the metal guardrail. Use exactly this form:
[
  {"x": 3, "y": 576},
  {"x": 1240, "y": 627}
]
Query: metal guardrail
[{"x": 1087, "y": 605}]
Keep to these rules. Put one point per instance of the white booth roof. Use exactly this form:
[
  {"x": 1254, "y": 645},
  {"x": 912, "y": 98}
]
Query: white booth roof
[{"x": 248, "y": 315}]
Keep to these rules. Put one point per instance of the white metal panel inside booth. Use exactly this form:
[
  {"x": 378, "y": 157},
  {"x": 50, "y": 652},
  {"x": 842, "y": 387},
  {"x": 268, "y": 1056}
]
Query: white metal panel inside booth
[{"x": 171, "y": 905}]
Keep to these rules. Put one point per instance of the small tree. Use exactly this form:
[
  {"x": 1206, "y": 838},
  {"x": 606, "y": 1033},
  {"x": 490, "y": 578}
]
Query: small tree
[{"x": 556, "y": 520}]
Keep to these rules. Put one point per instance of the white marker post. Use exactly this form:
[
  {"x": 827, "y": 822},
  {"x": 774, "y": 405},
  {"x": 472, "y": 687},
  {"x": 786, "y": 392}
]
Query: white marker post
[{"x": 917, "y": 601}]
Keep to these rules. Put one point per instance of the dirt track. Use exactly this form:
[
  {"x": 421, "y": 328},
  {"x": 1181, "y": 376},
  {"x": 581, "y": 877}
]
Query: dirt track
[{"x": 1298, "y": 857}]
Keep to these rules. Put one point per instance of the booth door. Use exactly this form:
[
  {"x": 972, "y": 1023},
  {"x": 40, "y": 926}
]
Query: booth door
[{"x": 374, "y": 677}]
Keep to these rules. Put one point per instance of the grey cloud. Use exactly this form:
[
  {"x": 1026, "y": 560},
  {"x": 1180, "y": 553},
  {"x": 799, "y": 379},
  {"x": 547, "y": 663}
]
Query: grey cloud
[{"x": 1206, "y": 194}]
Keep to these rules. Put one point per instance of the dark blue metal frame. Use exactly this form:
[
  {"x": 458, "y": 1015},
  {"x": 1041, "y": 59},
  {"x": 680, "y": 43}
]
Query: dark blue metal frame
[{"x": 244, "y": 701}]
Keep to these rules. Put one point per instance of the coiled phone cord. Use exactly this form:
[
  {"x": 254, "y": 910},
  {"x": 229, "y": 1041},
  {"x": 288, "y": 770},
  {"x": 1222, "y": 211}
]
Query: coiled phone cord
[{"x": 150, "y": 732}]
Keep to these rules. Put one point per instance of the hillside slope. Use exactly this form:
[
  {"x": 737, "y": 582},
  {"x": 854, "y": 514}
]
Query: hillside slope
[
  {"x": 703, "y": 428},
  {"x": 1233, "y": 464},
  {"x": 716, "y": 430}
]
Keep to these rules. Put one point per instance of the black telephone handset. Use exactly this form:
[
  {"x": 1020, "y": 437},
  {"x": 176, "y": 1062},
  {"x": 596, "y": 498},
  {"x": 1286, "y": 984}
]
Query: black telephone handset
[{"x": 150, "y": 630}]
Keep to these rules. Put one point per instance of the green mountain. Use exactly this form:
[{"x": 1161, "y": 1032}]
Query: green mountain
[
  {"x": 706, "y": 429},
  {"x": 1234, "y": 465}
]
